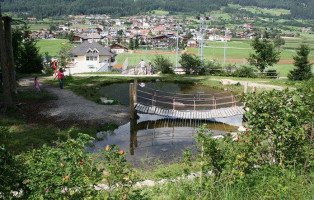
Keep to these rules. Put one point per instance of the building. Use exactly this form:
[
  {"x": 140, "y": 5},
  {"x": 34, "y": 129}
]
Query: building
[
  {"x": 91, "y": 57},
  {"x": 118, "y": 48}
]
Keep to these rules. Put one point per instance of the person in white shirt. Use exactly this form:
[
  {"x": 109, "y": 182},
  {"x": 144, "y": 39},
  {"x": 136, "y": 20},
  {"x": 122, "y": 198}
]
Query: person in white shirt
[{"x": 143, "y": 66}]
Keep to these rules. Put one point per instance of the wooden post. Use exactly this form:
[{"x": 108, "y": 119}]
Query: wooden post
[
  {"x": 132, "y": 108},
  {"x": 215, "y": 106},
  {"x": 9, "y": 49},
  {"x": 135, "y": 90},
  {"x": 246, "y": 87},
  {"x": 7, "y": 98},
  {"x": 253, "y": 89}
]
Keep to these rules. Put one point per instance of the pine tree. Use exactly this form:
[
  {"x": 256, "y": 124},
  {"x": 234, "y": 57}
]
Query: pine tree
[
  {"x": 302, "y": 64},
  {"x": 131, "y": 44}
]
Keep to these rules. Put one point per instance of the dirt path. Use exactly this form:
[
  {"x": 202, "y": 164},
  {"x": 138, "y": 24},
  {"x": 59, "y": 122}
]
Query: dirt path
[
  {"x": 70, "y": 107},
  {"x": 250, "y": 84}
]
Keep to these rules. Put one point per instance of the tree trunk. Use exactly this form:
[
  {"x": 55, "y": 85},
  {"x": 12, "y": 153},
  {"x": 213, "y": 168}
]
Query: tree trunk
[
  {"x": 5, "y": 71},
  {"x": 9, "y": 50}
]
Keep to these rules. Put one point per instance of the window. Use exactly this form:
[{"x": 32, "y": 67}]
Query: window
[{"x": 91, "y": 58}]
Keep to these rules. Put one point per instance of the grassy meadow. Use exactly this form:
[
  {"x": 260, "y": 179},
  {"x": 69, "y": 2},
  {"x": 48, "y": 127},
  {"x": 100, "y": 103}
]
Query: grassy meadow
[{"x": 51, "y": 46}]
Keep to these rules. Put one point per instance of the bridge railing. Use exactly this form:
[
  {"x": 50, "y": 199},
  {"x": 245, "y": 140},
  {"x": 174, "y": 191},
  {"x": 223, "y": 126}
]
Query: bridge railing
[{"x": 198, "y": 101}]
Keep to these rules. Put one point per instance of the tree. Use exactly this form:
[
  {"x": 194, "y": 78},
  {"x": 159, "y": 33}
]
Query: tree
[
  {"x": 265, "y": 54},
  {"x": 162, "y": 64},
  {"x": 279, "y": 41},
  {"x": 71, "y": 36},
  {"x": 131, "y": 44},
  {"x": 302, "y": 64},
  {"x": 5, "y": 70},
  {"x": 26, "y": 53},
  {"x": 65, "y": 54},
  {"x": 136, "y": 43},
  {"x": 191, "y": 63},
  {"x": 9, "y": 53}
]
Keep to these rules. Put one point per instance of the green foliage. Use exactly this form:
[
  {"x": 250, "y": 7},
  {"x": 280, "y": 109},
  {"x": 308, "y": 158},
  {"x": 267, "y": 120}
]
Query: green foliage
[
  {"x": 117, "y": 174},
  {"x": 25, "y": 52},
  {"x": 244, "y": 71},
  {"x": 11, "y": 175},
  {"x": 265, "y": 54},
  {"x": 303, "y": 66},
  {"x": 279, "y": 41},
  {"x": 63, "y": 171},
  {"x": 279, "y": 124},
  {"x": 48, "y": 70},
  {"x": 191, "y": 63},
  {"x": 131, "y": 44},
  {"x": 210, "y": 67},
  {"x": 71, "y": 36},
  {"x": 65, "y": 54},
  {"x": 162, "y": 64}
]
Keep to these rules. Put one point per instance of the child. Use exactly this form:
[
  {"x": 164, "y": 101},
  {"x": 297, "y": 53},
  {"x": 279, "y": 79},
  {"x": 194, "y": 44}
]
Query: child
[
  {"x": 36, "y": 83},
  {"x": 60, "y": 76}
]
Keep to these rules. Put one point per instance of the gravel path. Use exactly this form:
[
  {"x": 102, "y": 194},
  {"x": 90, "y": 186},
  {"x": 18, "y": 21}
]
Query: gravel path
[{"x": 69, "y": 106}]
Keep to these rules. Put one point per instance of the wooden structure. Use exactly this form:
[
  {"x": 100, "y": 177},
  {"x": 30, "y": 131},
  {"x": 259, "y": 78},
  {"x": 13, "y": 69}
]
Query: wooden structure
[{"x": 183, "y": 106}]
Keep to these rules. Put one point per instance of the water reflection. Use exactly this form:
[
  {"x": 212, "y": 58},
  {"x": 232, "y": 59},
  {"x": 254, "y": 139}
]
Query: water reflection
[{"x": 156, "y": 137}]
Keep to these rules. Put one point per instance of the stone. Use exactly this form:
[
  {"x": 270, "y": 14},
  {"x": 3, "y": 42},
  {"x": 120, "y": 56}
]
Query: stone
[{"x": 106, "y": 100}]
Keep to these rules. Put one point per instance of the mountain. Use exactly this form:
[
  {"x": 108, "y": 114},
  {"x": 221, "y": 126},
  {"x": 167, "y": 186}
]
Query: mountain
[{"x": 45, "y": 8}]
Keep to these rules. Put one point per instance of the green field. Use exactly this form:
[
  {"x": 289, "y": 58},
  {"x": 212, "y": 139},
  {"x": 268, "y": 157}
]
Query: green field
[
  {"x": 135, "y": 58},
  {"x": 52, "y": 46}
]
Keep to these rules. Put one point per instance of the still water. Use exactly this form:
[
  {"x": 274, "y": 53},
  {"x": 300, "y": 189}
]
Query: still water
[{"x": 153, "y": 137}]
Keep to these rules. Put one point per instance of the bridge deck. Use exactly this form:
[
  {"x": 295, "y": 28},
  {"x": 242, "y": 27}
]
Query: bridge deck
[{"x": 191, "y": 114}]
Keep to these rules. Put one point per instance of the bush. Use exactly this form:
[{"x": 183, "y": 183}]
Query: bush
[
  {"x": 11, "y": 175},
  {"x": 65, "y": 171},
  {"x": 280, "y": 126},
  {"x": 162, "y": 64},
  {"x": 190, "y": 63},
  {"x": 244, "y": 71},
  {"x": 211, "y": 67}
]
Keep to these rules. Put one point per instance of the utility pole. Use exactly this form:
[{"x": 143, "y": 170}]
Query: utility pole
[
  {"x": 225, "y": 46},
  {"x": 202, "y": 41},
  {"x": 177, "y": 47}
]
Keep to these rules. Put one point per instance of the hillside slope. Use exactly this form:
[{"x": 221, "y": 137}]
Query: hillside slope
[{"x": 44, "y": 8}]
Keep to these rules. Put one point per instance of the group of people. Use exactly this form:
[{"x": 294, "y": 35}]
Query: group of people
[
  {"x": 57, "y": 73},
  {"x": 144, "y": 70}
]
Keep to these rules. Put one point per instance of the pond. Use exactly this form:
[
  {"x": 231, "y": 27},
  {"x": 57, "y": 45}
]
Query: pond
[{"x": 153, "y": 137}]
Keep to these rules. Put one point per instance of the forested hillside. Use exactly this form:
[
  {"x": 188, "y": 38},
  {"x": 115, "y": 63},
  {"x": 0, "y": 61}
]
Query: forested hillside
[{"x": 44, "y": 8}]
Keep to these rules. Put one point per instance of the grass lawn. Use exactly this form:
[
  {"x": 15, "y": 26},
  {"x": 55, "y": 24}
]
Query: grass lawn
[
  {"x": 51, "y": 46},
  {"x": 135, "y": 58},
  {"x": 37, "y": 27}
]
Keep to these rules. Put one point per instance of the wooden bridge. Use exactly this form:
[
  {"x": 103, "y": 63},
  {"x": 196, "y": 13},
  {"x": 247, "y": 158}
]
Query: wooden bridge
[{"x": 183, "y": 106}]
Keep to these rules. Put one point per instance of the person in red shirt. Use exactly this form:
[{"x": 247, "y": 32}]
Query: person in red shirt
[
  {"x": 55, "y": 66},
  {"x": 60, "y": 77}
]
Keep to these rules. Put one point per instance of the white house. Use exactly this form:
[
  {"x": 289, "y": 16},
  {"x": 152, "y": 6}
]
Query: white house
[{"x": 91, "y": 57}]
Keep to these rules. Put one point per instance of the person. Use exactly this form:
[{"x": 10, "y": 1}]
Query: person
[
  {"x": 150, "y": 69},
  {"x": 60, "y": 77},
  {"x": 55, "y": 66},
  {"x": 143, "y": 66},
  {"x": 36, "y": 83}
]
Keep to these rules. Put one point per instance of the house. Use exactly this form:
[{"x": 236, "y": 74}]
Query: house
[
  {"x": 91, "y": 57},
  {"x": 118, "y": 48},
  {"x": 192, "y": 43},
  {"x": 163, "y": 41}
]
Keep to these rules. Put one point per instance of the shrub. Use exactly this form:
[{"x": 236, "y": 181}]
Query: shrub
[
  {"x": 210, "y": 67},
  {"x": 162, "y": 64},
  {"x": 64, "y": 171},
  {"x": 190, "y": 63},
  {"x": 244, "y": 71},
  {"x": 11, "y": 175},
  {"x": 280, "y": 125}
]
